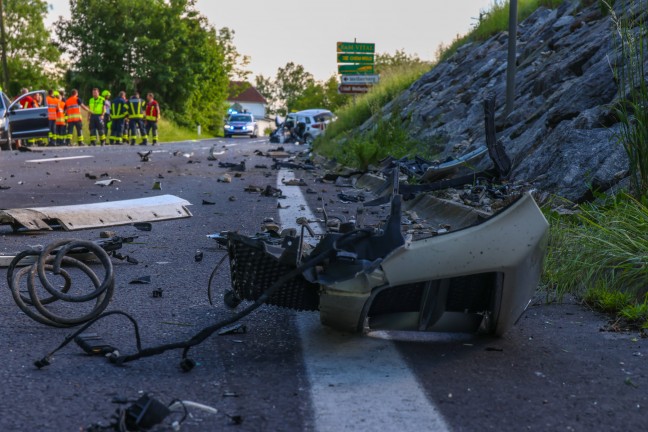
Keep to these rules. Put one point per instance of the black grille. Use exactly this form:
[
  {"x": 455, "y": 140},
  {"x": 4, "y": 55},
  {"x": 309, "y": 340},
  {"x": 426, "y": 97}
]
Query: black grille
[{"x": 253, "y": 271}]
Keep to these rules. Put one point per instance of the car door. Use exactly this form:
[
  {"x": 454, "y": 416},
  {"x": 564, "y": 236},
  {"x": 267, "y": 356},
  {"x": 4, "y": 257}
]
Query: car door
[{"x": 28, "y": 122}]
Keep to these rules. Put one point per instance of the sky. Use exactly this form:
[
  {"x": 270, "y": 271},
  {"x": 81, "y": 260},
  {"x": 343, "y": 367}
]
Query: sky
[{"x": 305, "y": 31}]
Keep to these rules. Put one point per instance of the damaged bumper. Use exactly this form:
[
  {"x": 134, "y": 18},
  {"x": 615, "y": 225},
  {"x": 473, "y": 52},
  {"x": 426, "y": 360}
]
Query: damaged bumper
[{"x": 477, "y": 279}]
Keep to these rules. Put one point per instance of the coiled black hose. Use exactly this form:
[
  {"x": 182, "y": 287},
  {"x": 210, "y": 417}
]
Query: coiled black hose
[{"x": 50, "y": 260}]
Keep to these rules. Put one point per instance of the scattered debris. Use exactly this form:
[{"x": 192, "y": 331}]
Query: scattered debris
[
  {"x": 145, "y": 156},
  {"x": 273, "y": 192},
  {"x": 252, "y": 188},
  {"x": 294, "y": 182},
  {"x": 142, "y": 280},
  {"x": 107, "y": 234},
  {"x": 232, "y": 198},
  {"x": 237, "y": 328},
  {"x": 225, "y": 178},
  {"x": 91, "y": 176},
  {"x": 205, "y": 202},
  {"x": 157, "y": 185},
  {"x": 157, "y": 293},
  {"x": 233, "y": 166},
  {"x": 107, "y": 182},
  {"x": 198, "y": 256},
  {"x": 143, "y": 226}
]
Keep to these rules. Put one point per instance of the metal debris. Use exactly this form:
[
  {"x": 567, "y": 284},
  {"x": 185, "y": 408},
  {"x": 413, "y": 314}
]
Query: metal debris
[{"x": 96, "y": 215}]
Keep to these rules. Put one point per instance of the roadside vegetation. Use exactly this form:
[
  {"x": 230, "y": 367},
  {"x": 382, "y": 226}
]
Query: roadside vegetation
[
  {"x": 601, "y": 253},
  {"x": 342, "y": 135}
]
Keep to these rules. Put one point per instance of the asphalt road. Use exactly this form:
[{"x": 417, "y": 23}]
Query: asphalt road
[{"x": 556, "y": 370}]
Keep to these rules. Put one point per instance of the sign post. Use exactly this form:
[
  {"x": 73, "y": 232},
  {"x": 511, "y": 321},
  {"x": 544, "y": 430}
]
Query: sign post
[{"x": 356, "y": 62}]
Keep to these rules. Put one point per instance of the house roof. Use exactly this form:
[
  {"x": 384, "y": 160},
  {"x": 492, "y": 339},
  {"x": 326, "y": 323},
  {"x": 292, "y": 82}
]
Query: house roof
[{"x": 240, "y": 91}]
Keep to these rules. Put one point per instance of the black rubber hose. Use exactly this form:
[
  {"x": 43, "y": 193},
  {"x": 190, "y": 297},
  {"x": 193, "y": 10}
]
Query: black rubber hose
[{"x": 51, "y": 259}]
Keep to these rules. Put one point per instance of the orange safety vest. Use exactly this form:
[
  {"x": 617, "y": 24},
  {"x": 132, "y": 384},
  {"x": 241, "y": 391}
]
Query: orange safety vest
[
  {"x": 60, "y": 114},
  {"x": 73, "y": 109},
  {"x": 52, "y": 107}
]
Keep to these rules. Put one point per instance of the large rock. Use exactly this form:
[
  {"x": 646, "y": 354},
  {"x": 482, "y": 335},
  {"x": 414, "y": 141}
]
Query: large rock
[{"x": 561, "y": 134}]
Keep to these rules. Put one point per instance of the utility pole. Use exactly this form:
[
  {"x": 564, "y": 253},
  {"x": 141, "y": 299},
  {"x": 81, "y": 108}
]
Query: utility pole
[
  {"x": 3, "y": 47},
  {"x": 511, "y": 67}
]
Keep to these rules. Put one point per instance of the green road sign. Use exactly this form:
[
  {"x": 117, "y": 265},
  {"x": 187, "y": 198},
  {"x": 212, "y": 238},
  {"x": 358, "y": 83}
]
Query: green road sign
[
  {"x": 356, "y": 69},
  {"x": 356, "y": 47},
  {"x": 355, "y": 58}
]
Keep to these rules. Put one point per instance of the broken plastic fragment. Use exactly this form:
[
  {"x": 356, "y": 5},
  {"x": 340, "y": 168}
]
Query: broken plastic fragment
[
  {"x": 107, "y": 182},
  {"x": 141, "y": 280}
]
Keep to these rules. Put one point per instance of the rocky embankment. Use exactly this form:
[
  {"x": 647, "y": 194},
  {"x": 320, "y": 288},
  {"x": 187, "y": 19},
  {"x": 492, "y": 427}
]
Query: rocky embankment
[{"x": 561, "y": 133}]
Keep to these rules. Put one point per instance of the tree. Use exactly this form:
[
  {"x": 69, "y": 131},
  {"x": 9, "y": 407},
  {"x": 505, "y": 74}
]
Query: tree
[
  {"x": 32, "y": 58},
  {"x": 162, "y": 46},
  {"x": 290, "y": 83}
]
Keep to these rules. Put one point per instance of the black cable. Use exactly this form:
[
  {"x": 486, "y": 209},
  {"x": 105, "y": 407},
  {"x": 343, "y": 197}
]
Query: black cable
[{"x": 49, "y": 260}]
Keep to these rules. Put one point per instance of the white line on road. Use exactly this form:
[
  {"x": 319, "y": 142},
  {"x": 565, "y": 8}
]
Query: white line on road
[
  {"x": 59, "y": 159},
  {"x": 356, "y": 383}
]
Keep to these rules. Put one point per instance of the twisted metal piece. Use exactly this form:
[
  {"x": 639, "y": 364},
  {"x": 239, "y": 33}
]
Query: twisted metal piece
[{"x": 50, "y": 261}]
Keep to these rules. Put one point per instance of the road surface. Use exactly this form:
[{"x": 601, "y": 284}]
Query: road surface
[{"x": 556, "y": 370}]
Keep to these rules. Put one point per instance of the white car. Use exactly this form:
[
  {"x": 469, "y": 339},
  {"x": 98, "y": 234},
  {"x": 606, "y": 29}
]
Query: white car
[{"x": 314, "y": 120}]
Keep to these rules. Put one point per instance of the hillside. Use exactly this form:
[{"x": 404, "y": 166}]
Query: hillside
[{"x": 562, "y": 132}]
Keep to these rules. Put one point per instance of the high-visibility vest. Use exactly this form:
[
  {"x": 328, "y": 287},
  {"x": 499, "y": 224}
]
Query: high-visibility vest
[
  {"x": 119, "y": 108},
  {"x": 52, "y": 107},
  {"x": 60, "y": 114},
  {"x": 152, "y": 111},
  {"x": 73, "y": 109},
  {"x": 136, "y": 108},
  {"x": 96, "y": 105}
]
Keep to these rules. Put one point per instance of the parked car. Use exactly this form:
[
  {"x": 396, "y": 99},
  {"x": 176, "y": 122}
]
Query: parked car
[
  {"x": 241, "y": 124},
  {"x": 19, "y": 123},
  {"x": 314, "y": 122}
]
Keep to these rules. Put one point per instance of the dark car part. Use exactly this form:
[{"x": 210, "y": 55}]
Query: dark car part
[{"x": 50, "y": 261}]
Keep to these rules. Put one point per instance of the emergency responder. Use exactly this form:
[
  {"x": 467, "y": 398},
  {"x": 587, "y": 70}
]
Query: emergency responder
[
  {"x": 61, "y": 125},
  {"x": 136, "y": 108},
  {"x": 52, "y": 107},
  {"x": 73, "y": 106},
  {"x": 97, "y": 108},
  {"x": 107, "y": 117},
  {"x": 118, "y": 111},
  {"x": 151, "y": 117}
]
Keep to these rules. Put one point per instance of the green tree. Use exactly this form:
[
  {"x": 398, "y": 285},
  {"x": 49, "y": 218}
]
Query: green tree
[
  {"x": 290, "y": 83},
  {"x": 266, "y": 87},
  {"x": 32, "y": 58},
  {"x": 162, "y": 46}
]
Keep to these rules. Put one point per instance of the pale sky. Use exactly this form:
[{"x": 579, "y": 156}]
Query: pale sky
[{"x": 273, "y": 33}]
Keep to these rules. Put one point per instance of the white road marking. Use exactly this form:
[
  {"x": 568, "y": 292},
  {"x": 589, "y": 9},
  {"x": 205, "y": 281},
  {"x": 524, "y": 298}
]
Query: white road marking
[
  {"x": 229, "y": 145},
  {"x": 58, "y": 159},
  {"x": 356, "y": 383}
]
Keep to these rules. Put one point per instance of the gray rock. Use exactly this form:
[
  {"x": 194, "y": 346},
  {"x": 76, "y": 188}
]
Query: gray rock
[{"x": 561, "y": 133}]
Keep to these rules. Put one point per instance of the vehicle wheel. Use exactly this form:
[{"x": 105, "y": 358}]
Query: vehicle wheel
[
  {"x": 308, "y": 139},
  {"x": 228, "y": 136},
  {"x": 231, "y": 300},
  {"x": 5, "y": 140}
]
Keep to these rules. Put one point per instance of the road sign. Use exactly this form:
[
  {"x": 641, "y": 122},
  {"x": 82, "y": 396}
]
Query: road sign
[
  {"x": 356, "y": 47},
  {"x": 353, "y": 88},
  {"x": 360, "y": 79},
  {"x": 356, "y": 69},
  {"x": 355, "y": 58}
]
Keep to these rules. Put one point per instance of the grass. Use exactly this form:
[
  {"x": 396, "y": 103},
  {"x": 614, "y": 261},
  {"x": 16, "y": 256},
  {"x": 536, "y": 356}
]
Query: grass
[
  {"x": 356, "y": 113},
  {"x": 630, "y": 31},
  {"x": 601, "y": 255}
]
